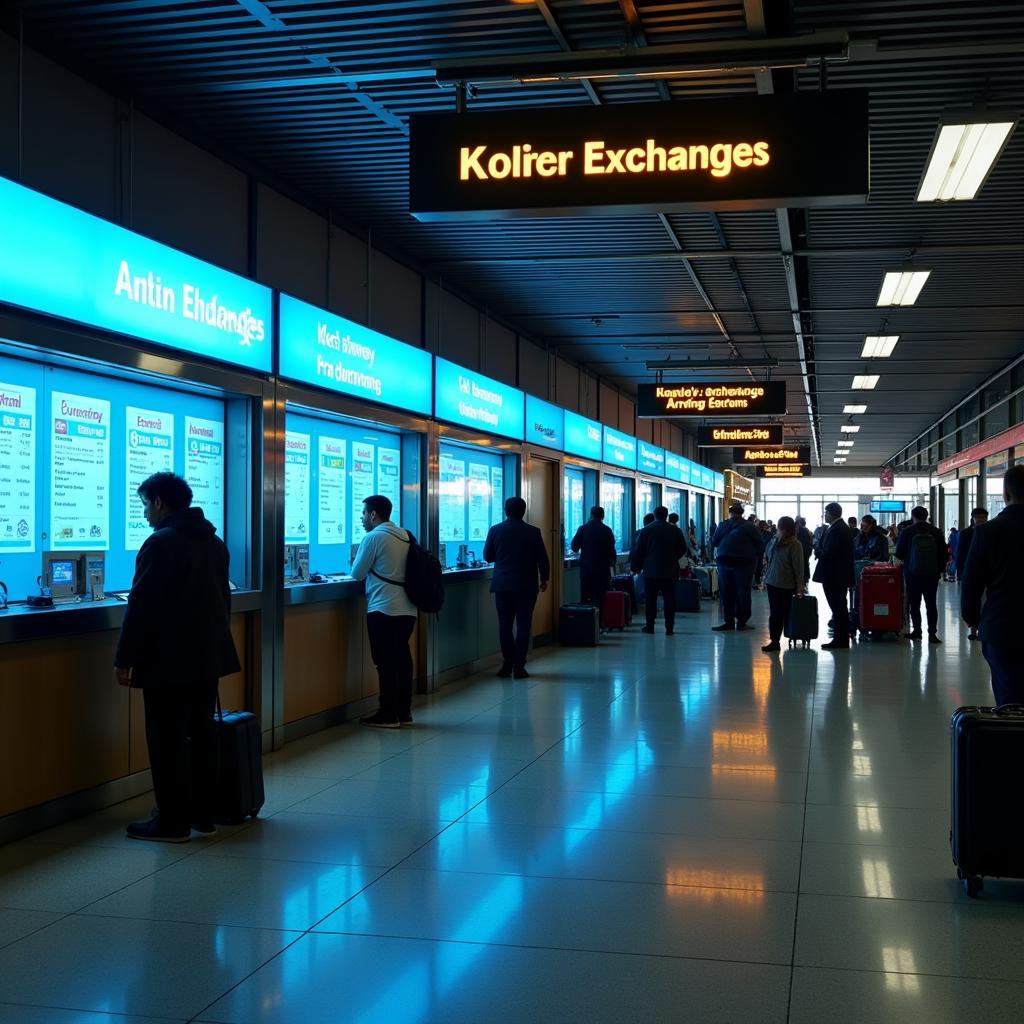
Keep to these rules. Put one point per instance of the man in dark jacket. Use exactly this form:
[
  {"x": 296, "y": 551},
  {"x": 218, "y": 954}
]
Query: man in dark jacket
[
  {"x": 738, "y": 547},
  {"x": 806, "y": 542},
  {"x": 175, "y": 645},
  {"x": 922, "y": 550},
  {"x": 834, "y": 572},
  {"x": 870, "y": 544},
  {"x": 520, "y": 559},
  {"x": 994, "y": 569},
  {"x": 595, "y": 543},
  {"x": 963, "y": 549},
  {"x": 656, "y": 554}
]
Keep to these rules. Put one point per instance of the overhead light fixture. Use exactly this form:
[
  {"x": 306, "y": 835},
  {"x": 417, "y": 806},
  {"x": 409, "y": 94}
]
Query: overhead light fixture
[
  {"x": 839, "y": 460},
  {"x": 879, "y": 346},
  {"x": 849, "y": 428},
  {"x": 902, "y": 287},
  {"x": 966, "y": 146},
  {"x": 711, "y": 364},
  {"x": 855, "y": 410},
  {"x": 844, "y": 444},
  {"x": 864, "y": 382}
]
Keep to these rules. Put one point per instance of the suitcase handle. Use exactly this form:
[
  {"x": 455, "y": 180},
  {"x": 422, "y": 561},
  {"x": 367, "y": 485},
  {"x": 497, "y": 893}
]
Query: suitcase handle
[{"x": 1010, "y": 710}]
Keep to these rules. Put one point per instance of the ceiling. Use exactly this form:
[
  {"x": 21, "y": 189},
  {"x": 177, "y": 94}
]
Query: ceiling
[{"x": 318, "y": 92}]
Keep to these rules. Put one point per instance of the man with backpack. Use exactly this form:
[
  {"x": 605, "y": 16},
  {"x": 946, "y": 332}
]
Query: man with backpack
[{"x": 922, "y": 550}]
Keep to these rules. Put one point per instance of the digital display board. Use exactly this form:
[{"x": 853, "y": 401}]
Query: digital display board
[
  {"x": 470, "y": 399},
  {"x": 885, "y": 505},
  {"x": 650, "y": 459},
  {"x": 582, "y": 436},
  {"x": 755, "y": 455},
  {"x": 722, "y": 398},
  {"x": 730, "y": 434},
  {"x": 545, "y": 423},
  {"x": 58, "y": 260},
  {"x": 328, "y": 351},
  {"x": 745, "y": 153},
  {"x": 619, "y": 449},
  {"x": 791, "y": 469}
]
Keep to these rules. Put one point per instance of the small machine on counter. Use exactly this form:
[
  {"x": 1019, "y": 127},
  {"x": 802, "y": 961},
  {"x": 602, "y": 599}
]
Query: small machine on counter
[{"x": 72, "y": 576}]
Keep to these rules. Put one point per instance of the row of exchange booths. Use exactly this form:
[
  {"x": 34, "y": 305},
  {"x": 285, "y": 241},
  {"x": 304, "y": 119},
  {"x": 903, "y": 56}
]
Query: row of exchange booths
[{"x": 120, "y": 357}]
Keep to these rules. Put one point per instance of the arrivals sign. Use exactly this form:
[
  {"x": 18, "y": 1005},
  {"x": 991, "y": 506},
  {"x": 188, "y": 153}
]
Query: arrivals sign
[
  {"x": 470, "y": 399},
  {"x": 752, "y": 455},
  {"x": 722, "y": 398},
  {"x": 743, "y": 153},
  {"x": 729, "y": 434},
  {"x": 792, "y": 469},
  {"x": 61, "y": 261}
]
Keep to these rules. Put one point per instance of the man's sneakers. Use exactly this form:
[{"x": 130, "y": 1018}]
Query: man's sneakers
[
  {"x": 378, "y": 720},
  {"x": 505, "y": 672},
  {"x": 520, "y": 673},
  {"x": 405, "y": 720},
  {"x": 740, "y": 626},
  {"x": 725, "y": 627},
  {"x": 913, "y": 635},
  {"x": 154, "y": 831},
  {"x": 835, "y": 645},
  {"x": 204, "y": 828},
  {"x": 933, "y": 638},
  {"x": 646, "y": 629},
  {"x": 773, "y": 646}
]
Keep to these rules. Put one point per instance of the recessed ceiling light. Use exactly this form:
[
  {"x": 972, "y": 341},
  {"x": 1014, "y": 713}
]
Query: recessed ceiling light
[
  {"x": 844, "y": 444},
  {"x": 839, "y": 460},
  {"x": 855, "y": 409},
  {"x": 902, "y": 287},
  {"x": 864, "y": 382},
  {"x": 965, "y": 149},
  {"x": 849, "y": 428},
  {"x": 879, "y": 346}
]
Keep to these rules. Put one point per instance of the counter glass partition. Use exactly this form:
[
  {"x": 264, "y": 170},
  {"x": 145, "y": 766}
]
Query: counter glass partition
[
  {"x": 579, "y": 495},
  {"x": 648, "y": 497},
  {"x": 617, "y": 499}
]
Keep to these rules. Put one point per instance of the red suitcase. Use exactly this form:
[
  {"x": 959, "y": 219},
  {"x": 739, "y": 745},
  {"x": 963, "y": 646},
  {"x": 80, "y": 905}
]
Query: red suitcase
[
  {"x": 615, "y": 612},
  {"x": 880, "y": 598}
]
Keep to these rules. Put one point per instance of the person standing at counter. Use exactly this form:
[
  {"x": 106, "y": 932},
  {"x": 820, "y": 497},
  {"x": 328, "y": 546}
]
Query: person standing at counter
[
  {"x": 175, "y": 645},
  {"x": 737, "y": 546},
  {"x": 520, "y": 560},
  {"x": 595, "y": 543},
  {"x": 390, "y": 615}
]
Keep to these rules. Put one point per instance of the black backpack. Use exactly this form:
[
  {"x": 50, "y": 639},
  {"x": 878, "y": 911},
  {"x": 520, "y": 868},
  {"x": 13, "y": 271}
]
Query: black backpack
[
  {"x": 424, "y": 583},
  {"x": 923, "y": 560}
]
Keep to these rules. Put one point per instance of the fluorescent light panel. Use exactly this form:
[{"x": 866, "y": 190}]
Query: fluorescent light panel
[
  {"x": 864, "y": 382},
  {"x": 844, "y": 444},
  {"x": 855, "y": 410},
  {"x": 848, "y": 428},
  {"x": 839, "y": 460},
  {"x": 902, "y": 287},
  {"x": 879, "y": 346},
  {"x": 961, "y": 158}
]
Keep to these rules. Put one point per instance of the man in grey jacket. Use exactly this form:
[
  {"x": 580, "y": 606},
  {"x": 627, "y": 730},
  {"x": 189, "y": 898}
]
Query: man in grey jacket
[
  {"x": 738, "y": 545},
  {"x": 656, "y": 554}
]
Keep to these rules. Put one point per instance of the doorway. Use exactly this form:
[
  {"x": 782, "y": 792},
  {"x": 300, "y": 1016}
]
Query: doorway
[{"x": 542, "y": 511}]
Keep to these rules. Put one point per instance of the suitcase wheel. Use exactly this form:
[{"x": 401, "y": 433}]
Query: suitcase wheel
[{"x": 973, "y": 885}]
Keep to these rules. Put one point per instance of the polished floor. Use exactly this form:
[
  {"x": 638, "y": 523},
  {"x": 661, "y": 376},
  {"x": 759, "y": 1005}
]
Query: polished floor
[{"x": 660, "y": 829}]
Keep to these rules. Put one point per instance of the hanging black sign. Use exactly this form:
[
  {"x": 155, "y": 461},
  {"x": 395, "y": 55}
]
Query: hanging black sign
[
  {"x": 723, "y": 398},
  {"x": 758, "y": 455},
  {"x": 742, "y": 153},
  {"x": 729, "y": 434}
]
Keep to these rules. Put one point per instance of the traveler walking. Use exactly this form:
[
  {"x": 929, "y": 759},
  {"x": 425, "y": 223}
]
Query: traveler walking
[
  {"x": 737, "y": 543},
  {"x": 922, "y": 550},
  {"x": 520, "y": 561},
  {"x": 175, "y": 644},
  {"x": 595, "y": 543},
  {"x": 994, "y": 570},
  {"x": 784, "y": 578},
  {"x": 834, "y": 572},
  {"x": 658, "y": 549},
  {"x": 952, "y": 543},
  {"x": 390, "y": 614},
  {"x": 963, "y": 549}
]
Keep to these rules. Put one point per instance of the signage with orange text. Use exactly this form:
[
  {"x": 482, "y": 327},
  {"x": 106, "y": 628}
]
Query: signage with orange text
[
  {"x": 744, "y": 153},
  {"x": 793, "y": 469},
  {"x": 729, "y": 434},
  {"x": 753, "y": 455},
  {"x": 723, "y": 398}
]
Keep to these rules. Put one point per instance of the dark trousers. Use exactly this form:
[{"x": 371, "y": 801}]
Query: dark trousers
[
  {"x": 593, "y": 586},
  {"x": 734, "y": 583},
  {"x": 667, "y": 589},
  {"x": 928, "y": 589},
  {"x": 779, "y": 600},
  {"x": 389, "y": 648},
  {"x": 837, "y": 598},
  {"x": 514, "y": 609},
  {"x": 1007, "y": 664},
  {"x": 182, "y": 741}
]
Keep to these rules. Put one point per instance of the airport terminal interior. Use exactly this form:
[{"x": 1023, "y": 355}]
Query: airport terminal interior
[{"x": 672, "y": 255}]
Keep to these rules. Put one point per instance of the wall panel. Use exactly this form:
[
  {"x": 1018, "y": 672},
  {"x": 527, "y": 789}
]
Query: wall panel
[
  {"x": 567, "y": 385},
  {"x": 627, "y": 415},
  {"x": 291, "y": 247},
  {"x": 499, "y": 351},
  {"x": 533, "y": 368},
  {"x": 347, "y": 276},
  {"x": 608, "y": 405},
  {"x": 8, "y": 106},
  {"x": 395, "y": 299}
]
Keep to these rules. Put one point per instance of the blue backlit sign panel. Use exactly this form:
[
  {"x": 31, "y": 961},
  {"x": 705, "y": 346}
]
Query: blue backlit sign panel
[
  {"x": 619, "y": 449},
  {"x": 470, "y": 399},
  {"x": 707, "y": 478},
  {"x": 674, "y": 468},
  {"x": 319, "y": 348},
  {"x": 650, "y": 459},
  {"x": 545, "y": 423},
  {"x": 719, "y": 483},
  {"x": 61, "y": 261},
  {"x": 582, "y": 436}
]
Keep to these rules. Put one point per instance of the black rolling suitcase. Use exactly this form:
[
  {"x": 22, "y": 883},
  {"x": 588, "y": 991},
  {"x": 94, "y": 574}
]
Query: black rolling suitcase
[
  {"x": 987, "y": 833},
  {"x": 627, "y": 585},
  {"x": 240, "y": 786},
  {"x": 802, "y": 624},
  {"x": 578, "y": 625},
  {"x": 687, "y": 595}
]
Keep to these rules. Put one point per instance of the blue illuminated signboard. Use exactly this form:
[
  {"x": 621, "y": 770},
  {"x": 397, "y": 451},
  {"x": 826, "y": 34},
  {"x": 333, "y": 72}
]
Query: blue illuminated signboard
[
  {"x": 719, "y": 483},
  {"x": 650, "y": 459},
  {"x": 545, "y": 423},
  {"x": 674, "y": 469},
  {"x": 63, "y": 262},
  {"x": 619, "y": 449},
  {"x": 472, "y": 400},
  {"x": 707, "y": 478},
  {"x": 319, "y": 348},
  {"x": 582, "y": 436}
]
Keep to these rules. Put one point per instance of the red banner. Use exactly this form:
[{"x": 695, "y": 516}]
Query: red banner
[{"x": 1000, "y": 443}]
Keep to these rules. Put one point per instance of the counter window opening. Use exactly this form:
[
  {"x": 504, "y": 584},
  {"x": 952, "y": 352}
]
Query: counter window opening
[
  {"x": 473, "y": 483},
  {"x": 617, "y": 499},
  {"x": 579, "y": 496},
  {"x": 74, "y": 447},
  {"x": 648, "y": 498}
]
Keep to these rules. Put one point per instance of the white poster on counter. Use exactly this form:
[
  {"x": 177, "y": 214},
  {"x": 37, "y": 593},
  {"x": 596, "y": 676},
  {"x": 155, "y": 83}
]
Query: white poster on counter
[
  {"x": 149, "y": 449},
  {"x": 452, "y": 500},
  {"x": 363, "y": 479},
  {"x": 331, "y": 491},
  {"x": 80, "y": 472},
  {"x": 497, "y": 496},
  {"x": 479, "y": 502},
  {"x": 389, "y": 461},
  {"x": 204, "y": 467},
  {"x": 17, "y": 468},
  {"x": 296, "y": 488}
]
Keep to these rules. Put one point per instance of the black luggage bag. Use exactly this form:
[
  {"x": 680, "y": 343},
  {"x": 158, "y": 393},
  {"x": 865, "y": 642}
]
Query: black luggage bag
[
  {"x": 802, "y": 624},
  {"x": 626, "y": 583},
  {"x": 687, "y": 595},
  {"x": 578, "y": 625},
  {"x": 240, "y": 786},
  {"x": 987, "y": 833}
]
